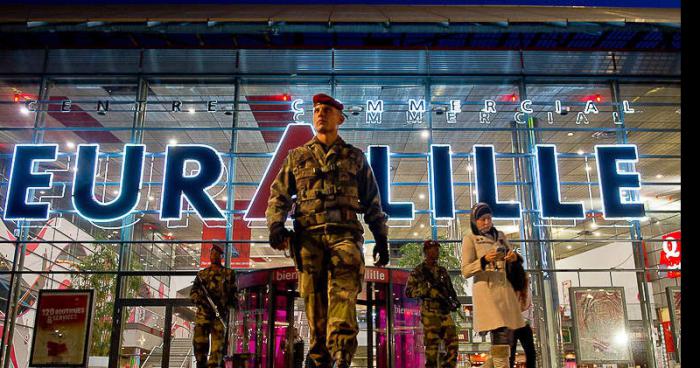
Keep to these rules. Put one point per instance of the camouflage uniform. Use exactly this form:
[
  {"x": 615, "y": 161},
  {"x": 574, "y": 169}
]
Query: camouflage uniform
[
  {"x": 435, "y": 315},
  {"x": 332, "y": 184},
  {"x": 221, "y": 286}
]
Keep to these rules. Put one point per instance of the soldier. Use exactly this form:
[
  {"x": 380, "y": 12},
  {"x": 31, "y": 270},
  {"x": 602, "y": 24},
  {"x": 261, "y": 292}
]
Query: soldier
[
  {"x": 333, "y": 183},
  {"x": 431, "y": 283},
  {"x": 213, "y": 292}
]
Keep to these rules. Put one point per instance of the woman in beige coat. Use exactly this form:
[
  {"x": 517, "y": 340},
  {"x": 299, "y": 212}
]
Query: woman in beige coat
[{"x": 485, "y": 253}]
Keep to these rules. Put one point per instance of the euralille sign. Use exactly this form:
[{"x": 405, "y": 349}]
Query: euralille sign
[{"x": 618, "y": 188}]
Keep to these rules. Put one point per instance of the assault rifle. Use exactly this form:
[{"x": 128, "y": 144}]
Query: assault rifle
[
  {"x": 447, "y": 296},
  {"x": 211, "y": 302}
]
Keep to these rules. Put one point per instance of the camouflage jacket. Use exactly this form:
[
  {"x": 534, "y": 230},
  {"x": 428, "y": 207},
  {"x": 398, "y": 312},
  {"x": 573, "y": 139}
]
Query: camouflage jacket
[
  {"x": 421, "y": 285},
  {"x": 331, "y": 187},
  {"x": 221, "y": 286}
]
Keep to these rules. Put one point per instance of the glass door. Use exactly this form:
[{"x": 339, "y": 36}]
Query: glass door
[{"x": 155, "y": 333}]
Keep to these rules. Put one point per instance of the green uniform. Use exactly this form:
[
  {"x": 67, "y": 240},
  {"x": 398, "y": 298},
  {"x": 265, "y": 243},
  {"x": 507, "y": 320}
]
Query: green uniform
[
  {"x": 220, "y": 285},
  {"x": 435, "y": 314},
  {"x": 332, "y": 186}
]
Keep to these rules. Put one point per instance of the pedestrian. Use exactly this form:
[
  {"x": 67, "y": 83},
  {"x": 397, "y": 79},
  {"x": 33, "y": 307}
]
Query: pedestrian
[
  {"x": 524, "y": 334},
  {"x": 485, "y": 253}
]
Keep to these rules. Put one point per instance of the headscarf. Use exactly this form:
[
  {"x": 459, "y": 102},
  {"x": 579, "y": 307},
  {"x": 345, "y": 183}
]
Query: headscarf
[{"x": 479, "y": 210}]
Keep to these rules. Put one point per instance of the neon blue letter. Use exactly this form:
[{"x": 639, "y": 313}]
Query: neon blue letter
[
  {"x": 442, "y": 196},
  {"x": 84, "y": 200},
  {"x": 379, "y": 161},
  {"x": 23, "y": 177},
  {"x": 485, "y": 177},
  {"x": 612, "y": 181},
  {"x": 177, "y": 183},
  {"x": 548, "y": 182}
]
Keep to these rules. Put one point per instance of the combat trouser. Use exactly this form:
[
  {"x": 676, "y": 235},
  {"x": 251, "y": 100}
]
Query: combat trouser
[
  {"x": 438, "y": 325},
  {"x": 332, "y": 273},
  {"x": 203, "y": 327}
]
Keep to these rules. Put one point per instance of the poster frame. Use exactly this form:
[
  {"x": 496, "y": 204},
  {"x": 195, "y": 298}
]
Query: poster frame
[
  {"x": 88, "y": 326},
  {"x": 575, "y": 330},
  {"x": 670, "y": 290}
]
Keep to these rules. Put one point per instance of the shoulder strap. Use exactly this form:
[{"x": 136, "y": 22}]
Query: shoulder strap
[{"x": 313, "y": 154}]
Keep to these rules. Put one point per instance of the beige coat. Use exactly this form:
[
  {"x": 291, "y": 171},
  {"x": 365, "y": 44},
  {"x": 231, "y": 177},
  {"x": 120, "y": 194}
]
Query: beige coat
[{"x": 495, "y": 302}]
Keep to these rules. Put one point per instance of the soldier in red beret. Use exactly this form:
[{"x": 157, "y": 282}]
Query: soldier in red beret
[{"x": 333, "y": 183}]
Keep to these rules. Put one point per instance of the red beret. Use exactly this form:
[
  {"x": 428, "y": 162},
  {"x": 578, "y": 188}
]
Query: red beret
[{"x": 325, "y": 99}]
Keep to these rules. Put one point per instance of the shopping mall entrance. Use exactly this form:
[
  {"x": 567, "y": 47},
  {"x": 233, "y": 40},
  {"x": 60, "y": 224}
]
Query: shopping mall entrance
[
  {"x": 155, "y": 333},
  {"x": 158, "y": 332},
  {"x": 271, "y": 295}
]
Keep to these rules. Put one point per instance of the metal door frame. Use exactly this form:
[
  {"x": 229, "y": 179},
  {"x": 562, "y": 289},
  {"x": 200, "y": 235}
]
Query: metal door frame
[{"x": 169, "y": 304}]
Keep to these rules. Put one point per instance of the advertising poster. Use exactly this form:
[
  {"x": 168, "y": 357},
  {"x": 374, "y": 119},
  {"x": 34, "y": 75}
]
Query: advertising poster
[
  {"x": 671, "y": 254},
  {"x": 601, "y": 331},
  {"x": 62, "y": 328},
  {"x": 673, "y": 294}
]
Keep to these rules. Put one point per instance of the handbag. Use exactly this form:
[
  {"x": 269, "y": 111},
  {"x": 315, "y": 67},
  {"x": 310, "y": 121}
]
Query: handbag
[{"x": 516, "y": 275}]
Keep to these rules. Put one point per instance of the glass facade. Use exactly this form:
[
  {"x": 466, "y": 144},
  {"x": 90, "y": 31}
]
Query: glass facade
[{"x": 142, "y": 267}]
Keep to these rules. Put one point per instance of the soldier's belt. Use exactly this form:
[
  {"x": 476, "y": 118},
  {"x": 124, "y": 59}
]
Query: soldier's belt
[{"x": 329, "y": 216}]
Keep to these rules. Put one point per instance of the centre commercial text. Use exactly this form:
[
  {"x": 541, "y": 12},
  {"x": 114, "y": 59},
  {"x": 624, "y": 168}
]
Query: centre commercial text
[
  {"x": 618, "y": 183},
  {"x": 374, "y": 109}
]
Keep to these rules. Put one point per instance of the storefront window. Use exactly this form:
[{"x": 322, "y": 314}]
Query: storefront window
[{"x": 244, "y": 117}]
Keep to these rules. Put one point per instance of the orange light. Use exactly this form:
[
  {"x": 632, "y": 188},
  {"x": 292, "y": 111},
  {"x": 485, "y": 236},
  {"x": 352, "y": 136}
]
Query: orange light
[
  {"x": 16, "y": 98},
  {"x": 285, "y": 97},
  {"x": 514, "y": 97},
  {"x": 597, "y": 98}
]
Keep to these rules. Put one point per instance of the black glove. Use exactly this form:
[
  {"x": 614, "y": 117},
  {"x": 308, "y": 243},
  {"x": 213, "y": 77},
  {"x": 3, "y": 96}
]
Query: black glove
[
  {"x": 278, "y": 236},
  {"x": 381, "y": 251}
]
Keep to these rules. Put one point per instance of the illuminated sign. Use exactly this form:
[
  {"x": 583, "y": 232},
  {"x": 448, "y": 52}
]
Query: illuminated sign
[
  {"x": 190, "y": 170},
  {"x": 415, "y": 113},
  {"x": 485, "y": 178},
  {"x": 375, "y": 109},
  {"x": 619, "y": 190},
  {"x": 378, "y": 157},
  {"x": 298, "y": 110},
  {"x": 455, "y": 108},
  {"x": 671, "y": 254},
  {"x": 548, "y": 182}
]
